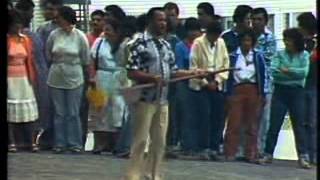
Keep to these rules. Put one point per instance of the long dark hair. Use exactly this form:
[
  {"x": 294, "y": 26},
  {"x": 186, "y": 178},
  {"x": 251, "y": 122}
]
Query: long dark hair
[{"x": 118, "y": 28}]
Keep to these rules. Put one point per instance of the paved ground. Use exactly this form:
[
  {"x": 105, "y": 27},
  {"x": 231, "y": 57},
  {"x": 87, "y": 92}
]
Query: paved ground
[{"x": 48, "y": 166}]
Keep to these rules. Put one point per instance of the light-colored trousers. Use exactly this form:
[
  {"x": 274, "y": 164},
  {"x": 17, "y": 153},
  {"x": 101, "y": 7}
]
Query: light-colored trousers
[{"x": 150, "y": 120}]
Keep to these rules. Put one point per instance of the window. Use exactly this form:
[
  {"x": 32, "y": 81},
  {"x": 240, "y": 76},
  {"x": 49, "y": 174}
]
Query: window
[{"x": 270, "y": 24}]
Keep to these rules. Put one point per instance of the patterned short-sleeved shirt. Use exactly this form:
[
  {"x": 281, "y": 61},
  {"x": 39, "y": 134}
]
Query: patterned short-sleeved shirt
[
  {"x": 266, "y": 44},
  {"x": 153, "y": 56}
]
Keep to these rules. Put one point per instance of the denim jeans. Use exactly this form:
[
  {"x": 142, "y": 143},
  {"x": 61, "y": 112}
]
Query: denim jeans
[
  {"x": 67, "y": 124},
  {"x": 84, "y": 113},
  {"x": 287, "y": 98},
  {"x": 173, "y": 137},
  {"x": 125, "y": 139},
  {"x": 211, "y": 118},
  {"x": 187, "y": 110},
  {"x": 264, "y": 123},
  {"x": 311, "y": 121}
]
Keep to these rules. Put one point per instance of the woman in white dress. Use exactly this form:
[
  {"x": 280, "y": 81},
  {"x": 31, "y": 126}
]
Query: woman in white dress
[{"x": 108, "y": 75}]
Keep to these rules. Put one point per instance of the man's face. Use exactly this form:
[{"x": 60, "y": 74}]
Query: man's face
[
  {"x": 172, "y": 15},
  {"x": 212, "y": 37},
  {"x": 246, "y": 43},
  {"x": 246, "y": 23},
  {"x": 159, "y": 23},
  {"x": 258, "y": 21},
  {"x": 203, "y": 17},
  {"x": 97, "y": 22},
  {"x": 50, "y": 11}
]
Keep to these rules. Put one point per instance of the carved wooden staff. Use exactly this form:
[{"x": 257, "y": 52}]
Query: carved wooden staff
[
  {"x": 135, "y": 90},
  {"x": 149, "y": 85}
]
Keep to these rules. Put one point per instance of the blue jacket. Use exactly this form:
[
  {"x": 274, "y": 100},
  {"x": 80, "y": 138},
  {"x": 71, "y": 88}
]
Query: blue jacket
[{"x": 259, "y": 63}]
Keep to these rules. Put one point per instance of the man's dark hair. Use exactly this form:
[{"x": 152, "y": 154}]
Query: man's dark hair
[
  {"x": 261, "y": 11},
  {"x": 192, "y": 24},
  {"x": 207, "y": 8},
  {"x": 151, "y": 13},
  {"x": 214, "y": 27},
  {"x": 44, "y": 3},
  {"x": 116, "y": 11},
  {"x": 141, "y": 22},
  {"x": 241, "y": 12},
  {"x": 68, "y": 14},
  {"x": 172, "y": 5},
  {"x": 251, "y": 34},
  {"x": 97, "y": 13},
  {"x": 129, "y": 26},
  {"x": 296, "y": 36},
  {"x": 308, "y": 22},
  {"x": 24, "y": 5}
]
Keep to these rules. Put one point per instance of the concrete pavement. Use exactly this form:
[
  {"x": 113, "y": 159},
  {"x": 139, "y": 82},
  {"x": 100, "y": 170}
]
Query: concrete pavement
[{"x": 48, "y": 166}]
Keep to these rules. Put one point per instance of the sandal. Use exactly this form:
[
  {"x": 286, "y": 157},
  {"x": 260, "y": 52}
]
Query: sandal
[
  {"x": 35, "y": 148},
  {"x": 12, "y": 148}
]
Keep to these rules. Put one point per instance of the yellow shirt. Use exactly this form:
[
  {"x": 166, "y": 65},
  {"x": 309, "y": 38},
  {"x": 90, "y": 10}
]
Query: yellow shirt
[{"x": 205, "y": 57}]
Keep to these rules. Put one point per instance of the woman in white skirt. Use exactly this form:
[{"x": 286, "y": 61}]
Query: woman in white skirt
[{"x": 22, "y": 109}]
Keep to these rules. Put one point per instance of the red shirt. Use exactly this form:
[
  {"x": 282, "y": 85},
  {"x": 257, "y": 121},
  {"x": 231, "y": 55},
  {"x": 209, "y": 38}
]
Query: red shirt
[{"x": 91, "y": 38}]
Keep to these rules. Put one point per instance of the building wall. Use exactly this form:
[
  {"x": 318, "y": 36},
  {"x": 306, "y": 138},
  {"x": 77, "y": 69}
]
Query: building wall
[
  {"x": 284, "y": 12},
  {"x": 222, "y": 7}
]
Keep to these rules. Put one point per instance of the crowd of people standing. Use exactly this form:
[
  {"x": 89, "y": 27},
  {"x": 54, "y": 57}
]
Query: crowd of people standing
[{"x": 212, "y": 116}]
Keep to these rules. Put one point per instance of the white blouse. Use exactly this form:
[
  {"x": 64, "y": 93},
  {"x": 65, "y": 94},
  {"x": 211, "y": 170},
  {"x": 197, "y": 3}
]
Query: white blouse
[{"x": 247, "y": 70}]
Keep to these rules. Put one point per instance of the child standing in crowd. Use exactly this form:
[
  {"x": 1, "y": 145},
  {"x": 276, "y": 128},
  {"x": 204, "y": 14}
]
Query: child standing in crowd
[
  {"x": 67, "y": 51},
  {"x": 246, "y": 90},
  {"x": 289, "y": 70},
  {"x": 22, "y": 110}
]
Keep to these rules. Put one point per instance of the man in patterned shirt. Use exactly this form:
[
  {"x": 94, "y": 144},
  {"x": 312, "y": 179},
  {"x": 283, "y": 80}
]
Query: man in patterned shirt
[
  {"x": 266, "y": 43},
  {"x": 151, "y": 60}
]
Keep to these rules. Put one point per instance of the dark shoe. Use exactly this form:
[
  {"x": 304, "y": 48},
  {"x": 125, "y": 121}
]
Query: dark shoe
[
  {"x": 214, "y": 156},
  {"x": 253, "y": 161},
  {"x": 35, "y": 148},
  {"x": 124, "y": 154},
  {"x": 58, "y": 150},
  {"x": 204, "y": 156},
  {"x": 172, "y": 154},
  {"x": 12, "y": 148},
  {"x": 76, "y": 150},
  {"x": 229, "y": 158},
  {"x": 97, "y": 151},
  {"x": 267, "y": 158},
  {"x": 304, "y": 162}
]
